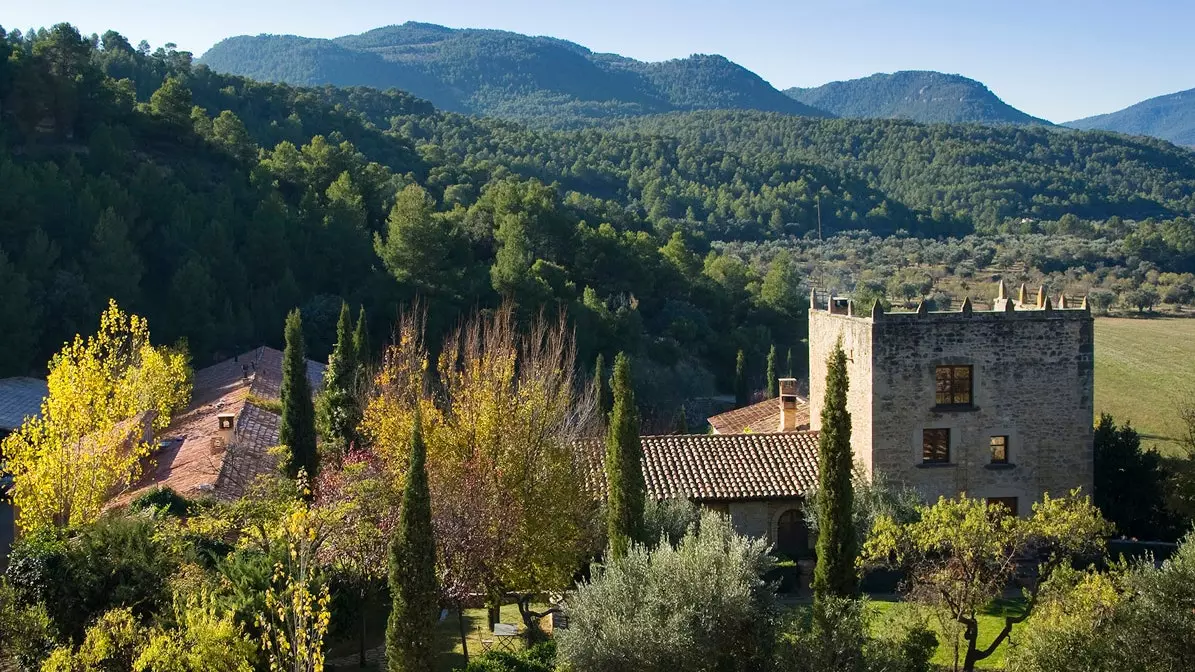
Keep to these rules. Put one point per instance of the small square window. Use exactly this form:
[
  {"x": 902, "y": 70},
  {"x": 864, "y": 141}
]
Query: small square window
[
  {"x": 952, "y": 385},
  {"x": 1009, "y": 504},
  {"x": 935, "y": 446},
  {"x": 999, "y": 449}
]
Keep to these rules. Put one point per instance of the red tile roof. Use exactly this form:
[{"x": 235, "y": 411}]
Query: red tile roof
[
  {"x": 186, "y": 461},
  {"x": 760, "y": 417},
  {"x": 711, "y": 467}
]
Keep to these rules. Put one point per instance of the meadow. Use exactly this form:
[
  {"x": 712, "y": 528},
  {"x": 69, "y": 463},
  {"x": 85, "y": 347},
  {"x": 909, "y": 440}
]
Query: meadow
[{"x": 1144, "y": 367}]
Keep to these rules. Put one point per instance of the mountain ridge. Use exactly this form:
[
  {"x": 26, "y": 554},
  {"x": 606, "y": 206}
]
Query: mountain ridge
[
  {"x": 497, "y": 72},
  {"x": 1169, "y": 116},
  {"x": 926, "y": 96}
]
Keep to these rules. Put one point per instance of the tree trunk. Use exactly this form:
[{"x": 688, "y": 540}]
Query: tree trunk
[
  {"x": 460, "y": 621},
  {"x": 531, "y": 619},
  {"x": 364, "y": 625}
]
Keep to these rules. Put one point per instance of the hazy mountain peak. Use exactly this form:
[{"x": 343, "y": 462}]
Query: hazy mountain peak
[
  {"x": 503, "y": 73},
  {"x": 919, "y": 95},
  {"x": 1169, "y": 117}
]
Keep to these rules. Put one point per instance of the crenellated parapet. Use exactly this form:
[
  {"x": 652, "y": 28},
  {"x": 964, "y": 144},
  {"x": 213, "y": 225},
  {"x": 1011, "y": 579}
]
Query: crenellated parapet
[{"x": 1003, "y": 308}]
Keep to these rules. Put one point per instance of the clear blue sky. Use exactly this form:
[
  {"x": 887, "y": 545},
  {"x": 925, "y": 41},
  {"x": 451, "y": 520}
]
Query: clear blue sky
[{"x": 1057, "y": 59}]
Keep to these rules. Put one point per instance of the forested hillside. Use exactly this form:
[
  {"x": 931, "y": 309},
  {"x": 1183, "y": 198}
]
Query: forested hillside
[
  {"x": 501, "y": 73},
  {"x": 992, "y": 176},
  {"x": 1170, "y": 117},
  {"x": 213, "y": 204},
  {"x": 916, "y": 95}
]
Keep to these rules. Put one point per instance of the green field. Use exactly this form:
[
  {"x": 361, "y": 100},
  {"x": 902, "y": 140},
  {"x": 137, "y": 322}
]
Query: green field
[
  {"x": 991, "y": 622},
  {"x": 1143, "y": 367}
]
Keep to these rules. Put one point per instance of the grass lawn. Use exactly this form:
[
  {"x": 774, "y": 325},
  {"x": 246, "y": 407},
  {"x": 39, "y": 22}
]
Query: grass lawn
[
  {"x": 991, "y": 621},
  {"x": 1142, "y": 367},
  {"x": 342, "y": 656}
]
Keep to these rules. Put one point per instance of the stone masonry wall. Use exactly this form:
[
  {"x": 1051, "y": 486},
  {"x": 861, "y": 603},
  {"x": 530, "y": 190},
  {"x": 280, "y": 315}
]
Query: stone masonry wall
[
  {"x": 1032, "y": 380},
  {"x": 824, "y": 330},
  {"x": 759, "y": 518}
]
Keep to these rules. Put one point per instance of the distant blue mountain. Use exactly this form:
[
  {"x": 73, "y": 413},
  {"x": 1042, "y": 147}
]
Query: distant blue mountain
[
  {"x": 919, "y": 95},
  {"x": 1170, "y": 117},
  {"x": 501, "y": 73}
]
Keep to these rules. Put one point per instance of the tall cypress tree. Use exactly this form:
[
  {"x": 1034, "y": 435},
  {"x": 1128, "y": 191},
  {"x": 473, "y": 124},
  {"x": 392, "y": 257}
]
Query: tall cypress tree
[
  {"x": 624, "y": 465},
  {"x": 837, "y": 548},
  {"x": 601, "y": 387},
  {"x": 361, "y": 340},
  {"x": 338, "y": 411},
  {"x": 772, "y": 377},
  {"x": 297, "y": 428},
  {"x": 741, "y": 393},
  {"x": 410, "y": 632},
  {"x": 788, "y": 364}
]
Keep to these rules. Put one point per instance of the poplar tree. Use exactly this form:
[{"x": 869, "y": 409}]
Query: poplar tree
[
  {"x": 772, "y": 384},
  {"x": 624, "y": 465},
  {"x": 741, "y": 394},
  {"x": 297, "y": 428},
  {"x": 837, "y": 546},
  {"x": 601, "y": 387},
  {"x": 338, "y": 410},
  {"x": 410, "y": 632}
]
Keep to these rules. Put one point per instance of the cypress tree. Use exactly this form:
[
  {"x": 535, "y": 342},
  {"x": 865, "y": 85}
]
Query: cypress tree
[
  {"x": 601, "y": 387},
  {"x": 297, "y": 428},
  {"x": 337, "y": 409},
  {"x": 741, "y": 394},
  {"x": 624, "y": 465},
  {"x": 772, "y": 378},
  {"x": 410, "y": 632},
  {"x": 837, "y": 547},
  {"x": 361, "y": 340},
  {"x": 788, "y": 364}
]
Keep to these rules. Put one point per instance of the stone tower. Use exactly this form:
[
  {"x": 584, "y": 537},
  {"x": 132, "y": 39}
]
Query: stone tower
[{"x": 997, "y": 404}]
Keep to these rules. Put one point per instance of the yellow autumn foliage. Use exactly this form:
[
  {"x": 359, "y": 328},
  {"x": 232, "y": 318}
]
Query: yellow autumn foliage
[
  {"x": 501, "y": 424},
  {"x": 87, "y": 444}
]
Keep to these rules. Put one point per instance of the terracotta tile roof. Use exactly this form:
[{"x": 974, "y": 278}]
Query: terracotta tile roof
[
  {"x": 760, "y": 417},
  {"x": 184, "y": 459},
  {"x": 709, "y": 467},
  {"x": 20, "y": 398}
]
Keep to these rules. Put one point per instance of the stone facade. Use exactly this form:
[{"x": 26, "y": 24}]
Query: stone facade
[
  {"x": 1031, "y": 381},
  {"x": 761, "y": 518}
]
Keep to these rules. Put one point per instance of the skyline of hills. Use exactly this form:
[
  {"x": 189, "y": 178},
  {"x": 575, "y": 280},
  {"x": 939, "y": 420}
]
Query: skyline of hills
[
  {"x": 554, "y": 82},
  {"x": 501, "y": 73},
  {"x": 1170, "y": 117},
  {"x": 918, "y": 95}
]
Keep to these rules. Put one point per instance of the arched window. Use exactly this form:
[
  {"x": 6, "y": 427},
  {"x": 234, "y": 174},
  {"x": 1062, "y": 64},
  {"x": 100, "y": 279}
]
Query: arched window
[{"x": 792, "y": 535}]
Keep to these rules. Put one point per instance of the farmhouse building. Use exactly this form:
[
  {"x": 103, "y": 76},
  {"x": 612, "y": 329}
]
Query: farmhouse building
[
  {"x": 996, "y": 404},
  {"x": 221, "y": 442}
]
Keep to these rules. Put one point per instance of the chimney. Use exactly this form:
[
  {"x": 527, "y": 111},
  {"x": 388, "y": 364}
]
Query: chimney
[
  {"x": 788, "y": 405},
  {"x": 224, "y": 439}
]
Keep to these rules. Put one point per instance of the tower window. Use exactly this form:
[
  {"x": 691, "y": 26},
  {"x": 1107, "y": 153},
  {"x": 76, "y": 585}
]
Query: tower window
[
  {"x": 999, "y": 449},
  {"x": 953, "y": 385},
  {"x": 935, "y": 446},
  {"x": 1009, "y": 504}
]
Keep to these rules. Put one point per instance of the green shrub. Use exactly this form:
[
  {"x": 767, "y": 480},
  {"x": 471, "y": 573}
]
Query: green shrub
[
  {"x": 701, "y": 605},
  {"x": 164, "y": 500},
  {"x": 538, "y": 658},
  {"x": 26, "y": 633},
  {"x": 843, "y": 643},
  {"x": 115, "y": 562},
  {"x": 670, "y": 519}
]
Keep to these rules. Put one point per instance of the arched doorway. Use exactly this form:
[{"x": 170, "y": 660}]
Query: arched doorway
[{"x": 792, "y": 535}]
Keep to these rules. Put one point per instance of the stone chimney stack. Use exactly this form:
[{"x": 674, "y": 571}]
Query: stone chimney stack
[
  {"x": 224, "y": 438},
  {"x": 788, "y": 405}
]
